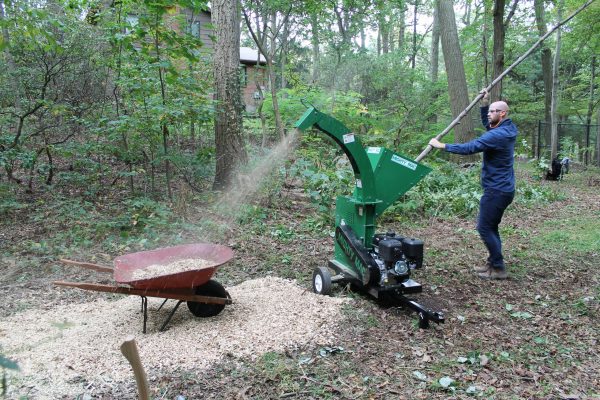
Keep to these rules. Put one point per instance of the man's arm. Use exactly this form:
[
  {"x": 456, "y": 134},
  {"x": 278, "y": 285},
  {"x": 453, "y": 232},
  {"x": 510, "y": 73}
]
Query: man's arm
[{"x": 485, "y": 107}]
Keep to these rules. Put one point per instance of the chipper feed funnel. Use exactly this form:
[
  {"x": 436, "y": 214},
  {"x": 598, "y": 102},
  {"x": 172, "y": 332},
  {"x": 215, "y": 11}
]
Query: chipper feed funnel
[{"x": 378, "y": 263}]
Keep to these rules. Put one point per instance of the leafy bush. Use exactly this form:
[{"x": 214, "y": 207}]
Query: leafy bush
[
  {"x": 8, "y": 201},
  {"x": 448, "y": 191}
]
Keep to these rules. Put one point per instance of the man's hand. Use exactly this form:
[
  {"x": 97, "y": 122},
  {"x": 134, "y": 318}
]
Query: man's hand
[
  {"x": 485, "y": 100},
  {"x": 437, "y": 144}
]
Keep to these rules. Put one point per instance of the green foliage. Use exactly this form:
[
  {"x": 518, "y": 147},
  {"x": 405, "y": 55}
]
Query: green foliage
[
  {"x": 575, "y": 236},
  {"x": 449, "y": 190},
  {"x": 8, "y": 201},
  {"x": 80, "y": 224},
  {"x": 55, "y": 79},
  {"x": 529, "y": 193},
  {"x": 322, "y": 178}
]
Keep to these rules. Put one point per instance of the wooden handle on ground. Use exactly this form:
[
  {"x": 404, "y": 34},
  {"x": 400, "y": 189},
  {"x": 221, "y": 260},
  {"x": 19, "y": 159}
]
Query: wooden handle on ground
[
  {"x": 130, "y": 351},
  {"x": 87, "y": 265}
]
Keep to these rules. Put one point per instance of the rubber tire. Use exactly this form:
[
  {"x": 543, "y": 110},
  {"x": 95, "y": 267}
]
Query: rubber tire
[
  {"x": 212, "y": 289},
  {"x": 321, "y": 281}
]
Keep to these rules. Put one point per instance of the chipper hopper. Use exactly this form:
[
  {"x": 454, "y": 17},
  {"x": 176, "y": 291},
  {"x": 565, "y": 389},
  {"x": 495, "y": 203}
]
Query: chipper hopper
[{"x": 377, "y": 263}]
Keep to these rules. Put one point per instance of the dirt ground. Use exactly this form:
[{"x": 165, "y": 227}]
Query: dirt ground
[{"x": 534, "y": 336}]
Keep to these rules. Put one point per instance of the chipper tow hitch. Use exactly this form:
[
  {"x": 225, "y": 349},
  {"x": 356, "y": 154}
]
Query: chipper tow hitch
[{"x": 376, "y": 263}]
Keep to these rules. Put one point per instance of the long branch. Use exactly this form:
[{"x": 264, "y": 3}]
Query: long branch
[{"x": 500, "y": 77}]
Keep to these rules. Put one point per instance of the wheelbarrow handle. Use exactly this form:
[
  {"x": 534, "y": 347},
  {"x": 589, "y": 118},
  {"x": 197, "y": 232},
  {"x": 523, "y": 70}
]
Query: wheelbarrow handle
[{"x": 95, "y": 267}]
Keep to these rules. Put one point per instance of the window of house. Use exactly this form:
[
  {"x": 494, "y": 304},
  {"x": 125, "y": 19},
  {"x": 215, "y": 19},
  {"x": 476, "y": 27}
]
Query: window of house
[
  {"x": 195, "y": 29},
  {"x": 244, "y": 76}
]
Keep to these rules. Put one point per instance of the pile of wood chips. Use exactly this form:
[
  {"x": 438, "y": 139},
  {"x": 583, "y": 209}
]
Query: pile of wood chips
[
  {"x": 72, "y": 350},
  {"x": 175, "y": 267}
]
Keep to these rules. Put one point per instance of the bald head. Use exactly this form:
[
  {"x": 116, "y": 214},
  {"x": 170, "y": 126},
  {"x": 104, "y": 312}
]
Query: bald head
[
  {"x": 497, "y": 112},
  {"x": 499, "y": 105}
]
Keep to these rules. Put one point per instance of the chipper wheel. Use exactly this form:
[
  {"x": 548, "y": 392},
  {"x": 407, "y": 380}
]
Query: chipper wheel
[
  {"x": 203, "y": 310},
  {"x": 322, "y": 281}
]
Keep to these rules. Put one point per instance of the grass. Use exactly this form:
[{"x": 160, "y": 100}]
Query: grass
[{"x": 572, "y": 235}]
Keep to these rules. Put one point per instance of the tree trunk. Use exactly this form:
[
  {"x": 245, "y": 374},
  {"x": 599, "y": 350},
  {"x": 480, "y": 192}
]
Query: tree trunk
[
  {"x": 272, "y": 78},
  {"x": 402, "y": 27},
  {"x": 467, "y": 13},
  {"x": 164, "y": 128},
  {"x": 283, "y": 52},
  {"x": 498, "y": 56},
  {"x": 457, "y": 82},
  {"x": 555, "y": 87},
  {"x": 435, "y": 58},
  {"x": 598, "y": 138},
  {"x": 259, "y": 38},
  {"x": 14, "y": 83},
  {"x": 229, "y": 145},
  {"x": 314, "y": 25},
  {"x": 484, "y": 45},
  {"x": 546, "y": 58},
  {"x": 413, "y": 58},
  {"x": 590, "y": 113},
  {"x": 383, "y": 25}
]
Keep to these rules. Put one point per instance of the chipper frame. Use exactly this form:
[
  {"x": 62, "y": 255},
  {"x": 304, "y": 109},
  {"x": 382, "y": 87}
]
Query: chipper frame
[{"x": 379, "y": 264}]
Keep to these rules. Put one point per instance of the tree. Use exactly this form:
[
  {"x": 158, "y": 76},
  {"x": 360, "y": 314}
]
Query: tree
[
  {"x": 555, "y": 88},
  {"x": 500, "y": 25},
  {"x": 230, "y": 151},
  {"x": 457, "y": 82},
  {"x": 590, "y": 111},
  {"x": 435, "y": 57},
  {"x": 265, "y": 34},
  {"x": 546, "y": 60}
]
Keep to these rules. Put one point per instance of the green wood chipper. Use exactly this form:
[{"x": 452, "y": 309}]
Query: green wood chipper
[{"x": 377, "y": 263}]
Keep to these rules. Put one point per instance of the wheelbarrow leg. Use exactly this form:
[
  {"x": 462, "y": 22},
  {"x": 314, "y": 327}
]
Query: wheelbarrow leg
[
  {"x": 144, "y": 311},
  {"x": 170, "y": 315},
  {"x": 161, "y": 306}
]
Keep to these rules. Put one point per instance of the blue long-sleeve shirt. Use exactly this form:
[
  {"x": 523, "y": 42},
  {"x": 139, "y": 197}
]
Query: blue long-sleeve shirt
[{"x": 498, "y": 147}]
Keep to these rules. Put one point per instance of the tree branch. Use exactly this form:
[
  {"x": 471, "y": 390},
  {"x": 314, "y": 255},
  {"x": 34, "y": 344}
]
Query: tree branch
[{"x": 513, "y": 8}]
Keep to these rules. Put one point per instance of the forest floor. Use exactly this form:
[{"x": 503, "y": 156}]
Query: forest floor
[{"x": 533, "y": 336}]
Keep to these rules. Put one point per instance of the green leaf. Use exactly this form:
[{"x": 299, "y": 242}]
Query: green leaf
[
  {"x": 509, "y": 307},
  {"x": 540, "y": 340},
  {"x": 522, "y": 315}
]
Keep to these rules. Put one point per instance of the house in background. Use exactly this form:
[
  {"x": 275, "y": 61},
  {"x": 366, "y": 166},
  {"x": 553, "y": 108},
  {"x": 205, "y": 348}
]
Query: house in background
[
  {"x": 252, "y": 72},
  {"x": 253, "y": 78}
]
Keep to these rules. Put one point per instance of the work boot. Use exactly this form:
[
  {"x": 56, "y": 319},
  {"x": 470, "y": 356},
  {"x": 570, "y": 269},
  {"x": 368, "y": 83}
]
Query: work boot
[
  {"x": 483, "y": 268},
  {"x": 494, "y": 273}
]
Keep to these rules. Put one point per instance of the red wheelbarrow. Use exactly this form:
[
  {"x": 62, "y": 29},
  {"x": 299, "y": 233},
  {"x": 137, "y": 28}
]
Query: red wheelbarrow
[{"x": 204, "y": 296}]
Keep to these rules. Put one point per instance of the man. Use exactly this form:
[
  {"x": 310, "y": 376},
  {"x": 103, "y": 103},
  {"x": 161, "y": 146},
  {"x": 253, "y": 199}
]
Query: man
[{"x": 497, "y": 178}]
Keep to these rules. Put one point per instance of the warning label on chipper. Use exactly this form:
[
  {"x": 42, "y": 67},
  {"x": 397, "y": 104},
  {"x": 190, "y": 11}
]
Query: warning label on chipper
[{"x": 404, "y": 162}]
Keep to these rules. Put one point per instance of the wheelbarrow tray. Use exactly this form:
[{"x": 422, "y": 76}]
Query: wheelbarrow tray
[
  {"x": 205, "y": 297},
  {"x": 216, "y": 255}
]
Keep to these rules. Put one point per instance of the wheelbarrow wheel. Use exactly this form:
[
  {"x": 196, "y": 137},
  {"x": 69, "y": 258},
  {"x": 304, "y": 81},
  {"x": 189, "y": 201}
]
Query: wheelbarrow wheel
[
  {"x": 322, "y": 281},
  {"x": 212, "y": 289}
]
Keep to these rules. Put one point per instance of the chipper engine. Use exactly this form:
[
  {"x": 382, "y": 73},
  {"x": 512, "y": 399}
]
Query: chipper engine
[{"x": 377, "y": 263}]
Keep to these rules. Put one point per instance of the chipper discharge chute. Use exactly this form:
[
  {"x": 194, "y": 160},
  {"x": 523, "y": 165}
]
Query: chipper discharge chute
[{"x": 378, "y": 263}]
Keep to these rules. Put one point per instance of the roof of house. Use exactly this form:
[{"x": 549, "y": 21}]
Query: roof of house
[{"x": 250, "y": 55}]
